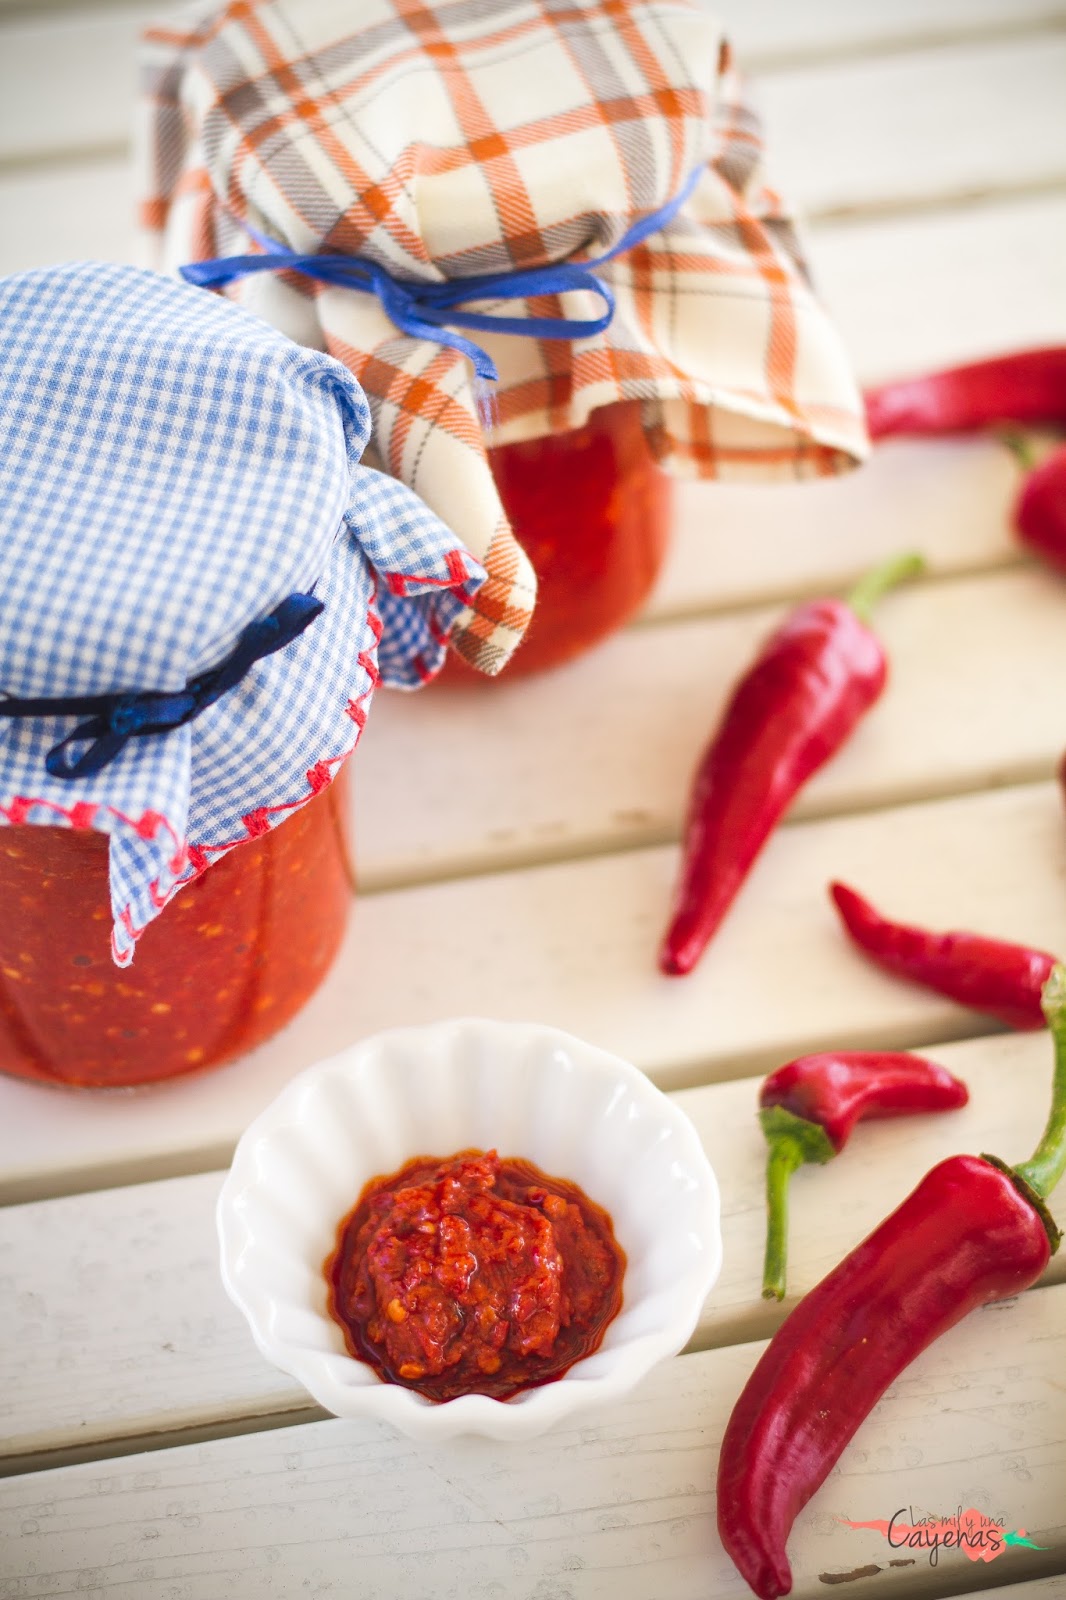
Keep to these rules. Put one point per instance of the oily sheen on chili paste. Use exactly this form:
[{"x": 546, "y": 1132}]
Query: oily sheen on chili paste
[{"x": 470, "y": 1274}]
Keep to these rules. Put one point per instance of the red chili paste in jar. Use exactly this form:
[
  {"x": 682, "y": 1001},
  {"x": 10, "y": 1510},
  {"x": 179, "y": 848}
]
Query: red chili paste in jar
[
  {"x": 472, "y": 1275},
  {"x": 592, "y": 511},
  {"x": 232, "y": 958}
]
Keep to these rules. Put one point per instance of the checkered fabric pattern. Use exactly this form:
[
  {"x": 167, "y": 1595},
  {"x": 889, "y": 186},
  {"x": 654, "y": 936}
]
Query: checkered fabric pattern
[
  {"x": 171, "y": 468},
  {"x": 465, "y": 137}
]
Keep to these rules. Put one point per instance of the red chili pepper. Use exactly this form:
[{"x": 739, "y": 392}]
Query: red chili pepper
[
  {"x": 974, "y": 1230},
  {"x": 1040, "y": 510},
  {"x": 792, "y": 710},
  {"x": 1004, "y": 980},
  {"x": 809, "y": 1107},
  {"x": 1028, "y": 386}
]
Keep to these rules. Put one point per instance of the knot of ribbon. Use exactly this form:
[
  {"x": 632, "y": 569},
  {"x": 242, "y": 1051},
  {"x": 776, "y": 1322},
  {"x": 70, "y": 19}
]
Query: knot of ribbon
[
  {"x": 422, "y": 308},
  {"x": 116, "y": 718}
]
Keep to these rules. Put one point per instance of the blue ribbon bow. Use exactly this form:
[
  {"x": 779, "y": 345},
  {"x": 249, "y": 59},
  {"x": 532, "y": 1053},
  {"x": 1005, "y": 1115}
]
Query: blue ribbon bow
[
  {"x": 421, "y": 309},
  {"x": 115, "y": 718}
]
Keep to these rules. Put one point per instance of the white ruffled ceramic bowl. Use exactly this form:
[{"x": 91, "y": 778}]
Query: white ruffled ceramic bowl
[{"x": 573, "y": 1110}]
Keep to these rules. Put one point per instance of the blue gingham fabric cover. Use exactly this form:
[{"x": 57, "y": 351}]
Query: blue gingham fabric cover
[{"x": 171, "y": 468}]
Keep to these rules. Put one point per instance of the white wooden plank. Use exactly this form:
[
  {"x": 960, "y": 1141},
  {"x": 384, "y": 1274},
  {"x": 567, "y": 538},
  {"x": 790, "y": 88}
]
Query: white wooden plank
[
  {"x": 1039, "y": 1589},
  {"x": 910, "y": 294},
  {"x": 76, "y": 105},
  {"x": 615, "y": 770},
  {"x": 749, "y": 544},
  {"x": 901, "y": 129},
  {"x": 769, "y": 35},
  {"x": 107, "y": 1294},
  {"x": 574, "y": 945},
  {"x": 79, "y": 212},
  {"x": 618, "y": 1508},
  {"x": 69, "y": 80},
  {"x": 764, "y": 26}
]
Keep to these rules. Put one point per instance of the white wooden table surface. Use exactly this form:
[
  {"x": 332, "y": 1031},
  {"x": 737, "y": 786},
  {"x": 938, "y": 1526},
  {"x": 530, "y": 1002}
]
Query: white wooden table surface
[{"x": 148, "y": 1452}]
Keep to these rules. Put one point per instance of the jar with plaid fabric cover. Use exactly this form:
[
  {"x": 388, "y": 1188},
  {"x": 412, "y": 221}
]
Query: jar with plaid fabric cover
[
  {"x": 201, "y": 585},
  {"x": 541, "y": 234}
]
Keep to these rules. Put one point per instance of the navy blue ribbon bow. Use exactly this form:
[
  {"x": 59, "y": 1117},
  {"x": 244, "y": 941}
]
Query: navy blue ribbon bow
[
  {"x": 421, "y": 309},
  {"x": 115, "y": 718}
]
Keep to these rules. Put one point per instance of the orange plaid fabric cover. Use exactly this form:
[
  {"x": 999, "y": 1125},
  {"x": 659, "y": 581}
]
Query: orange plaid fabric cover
[{"x": 468, "y": 137}]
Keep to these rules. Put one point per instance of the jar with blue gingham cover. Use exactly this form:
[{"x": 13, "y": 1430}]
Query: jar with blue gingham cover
[{"x": 201, "y": 586}]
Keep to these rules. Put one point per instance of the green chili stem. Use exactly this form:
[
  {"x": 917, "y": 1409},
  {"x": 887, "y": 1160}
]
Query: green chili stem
[
  {"x": 792, "y": 1141},
  {"x": 869, "y": 589},
  {"x": 1020, "y": 447},
  {"x": 783, "y": 1159},
  {"x": 1048, "y": 1162}
]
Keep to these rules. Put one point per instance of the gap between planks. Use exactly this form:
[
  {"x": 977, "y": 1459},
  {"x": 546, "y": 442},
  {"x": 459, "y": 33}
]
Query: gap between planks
[
  {"x": 846, "y": 213},
  {"x": 120, "y": 1446}
]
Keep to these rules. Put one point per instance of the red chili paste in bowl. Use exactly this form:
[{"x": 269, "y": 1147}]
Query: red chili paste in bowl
[{"x": 474, "y": 1275}]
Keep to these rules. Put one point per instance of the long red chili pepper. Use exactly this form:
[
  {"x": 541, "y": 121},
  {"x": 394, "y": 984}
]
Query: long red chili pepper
[
  {"x": 1040, "y": 510},
  {"x": 1028, "y": 386},
  {"x": 793, "y": 709},
  {"x": 974, "y": 1230},
  {"x": 1004, "y": 980},
  {"x": 809, "y": 1107}
]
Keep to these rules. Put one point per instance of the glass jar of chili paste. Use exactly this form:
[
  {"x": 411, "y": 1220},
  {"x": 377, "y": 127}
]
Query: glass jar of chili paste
[
  {"x": 201, "y": 586},
  {"x": 235, "y": 956},
  {"x": 591, "y": 509}
]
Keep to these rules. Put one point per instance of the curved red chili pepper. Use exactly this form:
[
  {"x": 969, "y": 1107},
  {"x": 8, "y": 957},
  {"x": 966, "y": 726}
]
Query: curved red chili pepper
[
  {"x": 965, "y": 1236},
  {"x": 972, "y": 1231},
  {"x": 1028, "y": 386},
  {"x": 837, "y": 1090},
  {"x": 809, "y": 1107},
  {"x": 991, "y": 975},
  {"x": 1040, "y": 510},
  {"x": 792, "y": 710}
]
